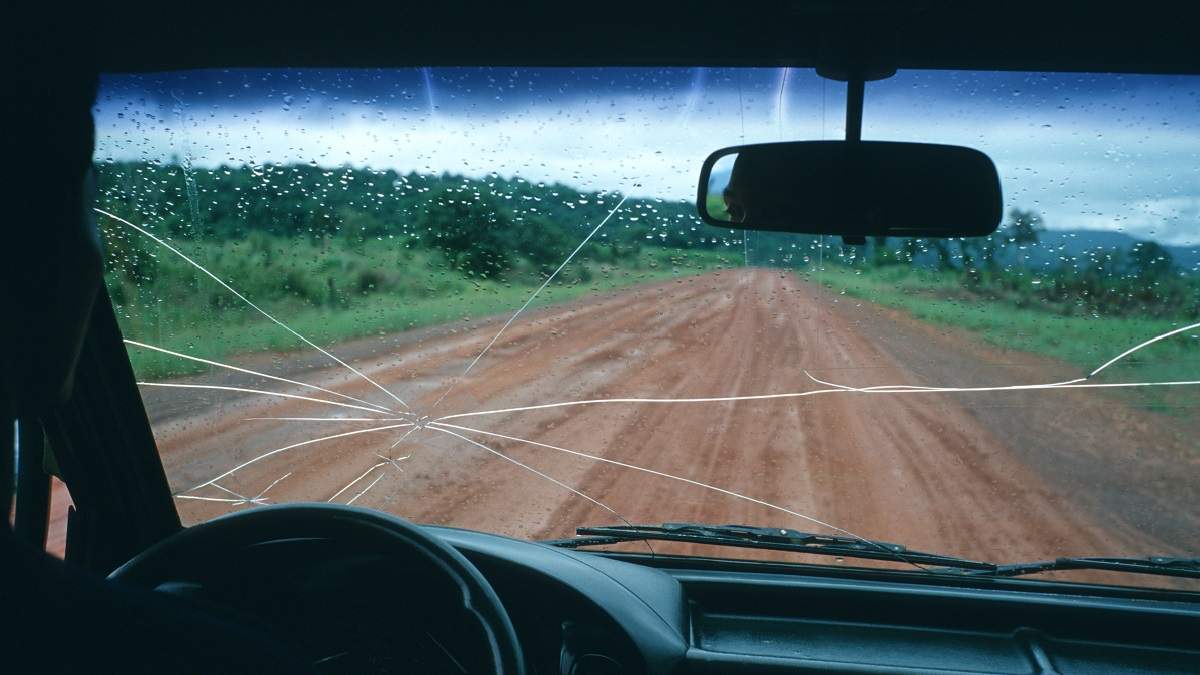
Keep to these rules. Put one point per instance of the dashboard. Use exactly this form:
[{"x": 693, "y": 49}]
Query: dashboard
[
  {"x": 581, "y": 613},
  {"x": 588, "y": 613}
]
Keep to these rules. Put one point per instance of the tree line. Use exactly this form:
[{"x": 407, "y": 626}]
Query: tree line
[
  {"x": 1140, "y": 280},
  {"x": 489, "y": 227},
  {"x": 483, "y": 226}
]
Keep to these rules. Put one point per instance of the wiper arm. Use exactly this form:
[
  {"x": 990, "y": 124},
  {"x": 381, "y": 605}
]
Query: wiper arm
[
  {"x": 779, "y": 539},
  {"x": 770, "y": 538},
  {"x": 1160, "y": 565}
]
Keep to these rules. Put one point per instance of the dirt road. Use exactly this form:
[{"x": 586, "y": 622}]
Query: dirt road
[{"x": 998, "y": 476}]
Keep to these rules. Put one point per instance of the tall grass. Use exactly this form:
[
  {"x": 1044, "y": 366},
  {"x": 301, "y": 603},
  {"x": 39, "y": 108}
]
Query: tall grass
[
  {"x": 1084, "y": 342},
  {"x": 328, "y": 290}
]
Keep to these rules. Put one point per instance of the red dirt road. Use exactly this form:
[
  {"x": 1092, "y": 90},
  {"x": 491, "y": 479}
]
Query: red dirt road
[{"x": 997, "y": 476}]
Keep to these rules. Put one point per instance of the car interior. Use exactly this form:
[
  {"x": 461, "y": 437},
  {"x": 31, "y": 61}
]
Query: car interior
[{"x": 334, "y": 588}]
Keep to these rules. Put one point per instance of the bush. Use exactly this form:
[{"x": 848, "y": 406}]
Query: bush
[
  {"x": 297, "y": 283},
  {"x": 371, "y": 281}
]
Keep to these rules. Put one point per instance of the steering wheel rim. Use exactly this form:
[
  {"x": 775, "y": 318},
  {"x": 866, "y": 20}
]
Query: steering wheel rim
[{"x": 335, "y": 521}]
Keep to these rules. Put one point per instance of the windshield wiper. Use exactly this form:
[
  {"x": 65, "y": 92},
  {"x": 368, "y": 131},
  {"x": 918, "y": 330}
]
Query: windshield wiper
[
  {"x": 779, "y": 539},
  {"x": 1161, "y": 565},
  {"x": 771, "y": 538}
]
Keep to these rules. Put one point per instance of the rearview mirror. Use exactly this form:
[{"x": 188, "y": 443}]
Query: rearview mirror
[{"x": 853, "y": 189}]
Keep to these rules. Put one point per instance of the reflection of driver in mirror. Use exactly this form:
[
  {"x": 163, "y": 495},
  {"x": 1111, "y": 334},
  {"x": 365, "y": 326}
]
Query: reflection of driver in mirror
[
  {"x": 734, "y": 202},
  {"x": 756, "y": 193},
  {"x": 733, "y": 205}
]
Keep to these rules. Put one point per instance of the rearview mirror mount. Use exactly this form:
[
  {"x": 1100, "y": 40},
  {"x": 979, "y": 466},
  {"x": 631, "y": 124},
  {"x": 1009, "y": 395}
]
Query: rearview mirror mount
[{"x": 852, "y": 189}]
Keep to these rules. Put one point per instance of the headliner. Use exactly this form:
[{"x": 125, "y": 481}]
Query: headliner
[{"x": 1151, "y": 36}]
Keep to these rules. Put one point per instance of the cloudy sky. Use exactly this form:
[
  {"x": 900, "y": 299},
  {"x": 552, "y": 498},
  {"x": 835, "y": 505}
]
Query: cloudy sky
[{"x": 1089, "y": 151}]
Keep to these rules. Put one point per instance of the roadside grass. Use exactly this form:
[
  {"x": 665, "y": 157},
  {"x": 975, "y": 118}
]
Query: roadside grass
[
  {"x": 1084, "y": 342},
  {"x": 334, "y": 294}
]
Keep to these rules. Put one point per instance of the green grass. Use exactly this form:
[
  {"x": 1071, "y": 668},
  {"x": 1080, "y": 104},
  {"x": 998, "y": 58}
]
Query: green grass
[
  {"x": 1084, "y": 342},
  {"x": 332, "y": 293}
]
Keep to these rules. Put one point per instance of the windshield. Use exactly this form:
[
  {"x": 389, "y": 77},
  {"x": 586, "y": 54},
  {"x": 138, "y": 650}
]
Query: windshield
[{"x": 482, "y": 297}]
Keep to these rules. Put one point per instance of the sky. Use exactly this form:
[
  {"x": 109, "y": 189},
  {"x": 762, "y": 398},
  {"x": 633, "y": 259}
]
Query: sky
[{"x": 1088, "y": 151}]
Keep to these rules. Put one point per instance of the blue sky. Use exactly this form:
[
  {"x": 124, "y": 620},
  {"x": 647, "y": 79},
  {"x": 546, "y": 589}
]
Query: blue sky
[{"x": 1094, "y": 151}]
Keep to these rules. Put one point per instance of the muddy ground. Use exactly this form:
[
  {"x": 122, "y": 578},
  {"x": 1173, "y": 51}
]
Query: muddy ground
[{"x": 1000, "y": 476}]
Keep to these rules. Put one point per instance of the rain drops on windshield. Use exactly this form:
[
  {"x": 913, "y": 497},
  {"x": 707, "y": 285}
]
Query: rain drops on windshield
[{"x": 483, "y": 298}]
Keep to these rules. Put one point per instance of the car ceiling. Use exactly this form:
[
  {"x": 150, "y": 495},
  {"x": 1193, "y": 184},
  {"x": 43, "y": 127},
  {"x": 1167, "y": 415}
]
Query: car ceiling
[{"x": 1151, "y": 36}]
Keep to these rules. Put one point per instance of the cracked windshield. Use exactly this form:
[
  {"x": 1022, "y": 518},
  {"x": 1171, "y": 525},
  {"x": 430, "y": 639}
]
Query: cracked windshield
[{"x": 483, "y": 298}]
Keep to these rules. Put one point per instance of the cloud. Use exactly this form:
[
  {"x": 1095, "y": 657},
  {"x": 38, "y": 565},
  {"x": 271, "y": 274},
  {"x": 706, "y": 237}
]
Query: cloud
[
  {"x": 648, "y": 146},
  {"x": 1113, "y": 160},
  {"x": 1174, "y": 221}
]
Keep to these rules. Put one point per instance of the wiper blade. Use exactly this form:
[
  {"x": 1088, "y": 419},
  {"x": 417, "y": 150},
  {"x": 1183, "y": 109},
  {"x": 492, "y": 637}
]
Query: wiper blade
[
  {"x": 779, "y": 539},
  {"x": 1160, "y": 565},
  {"x": 770, "y": 538}
]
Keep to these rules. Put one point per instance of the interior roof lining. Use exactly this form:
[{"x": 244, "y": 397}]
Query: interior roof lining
[{"x": 1153, "y": 36}]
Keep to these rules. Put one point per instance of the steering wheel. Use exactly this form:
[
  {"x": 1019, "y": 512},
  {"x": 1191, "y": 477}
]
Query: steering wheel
[{"x": 343, "y": 526}]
